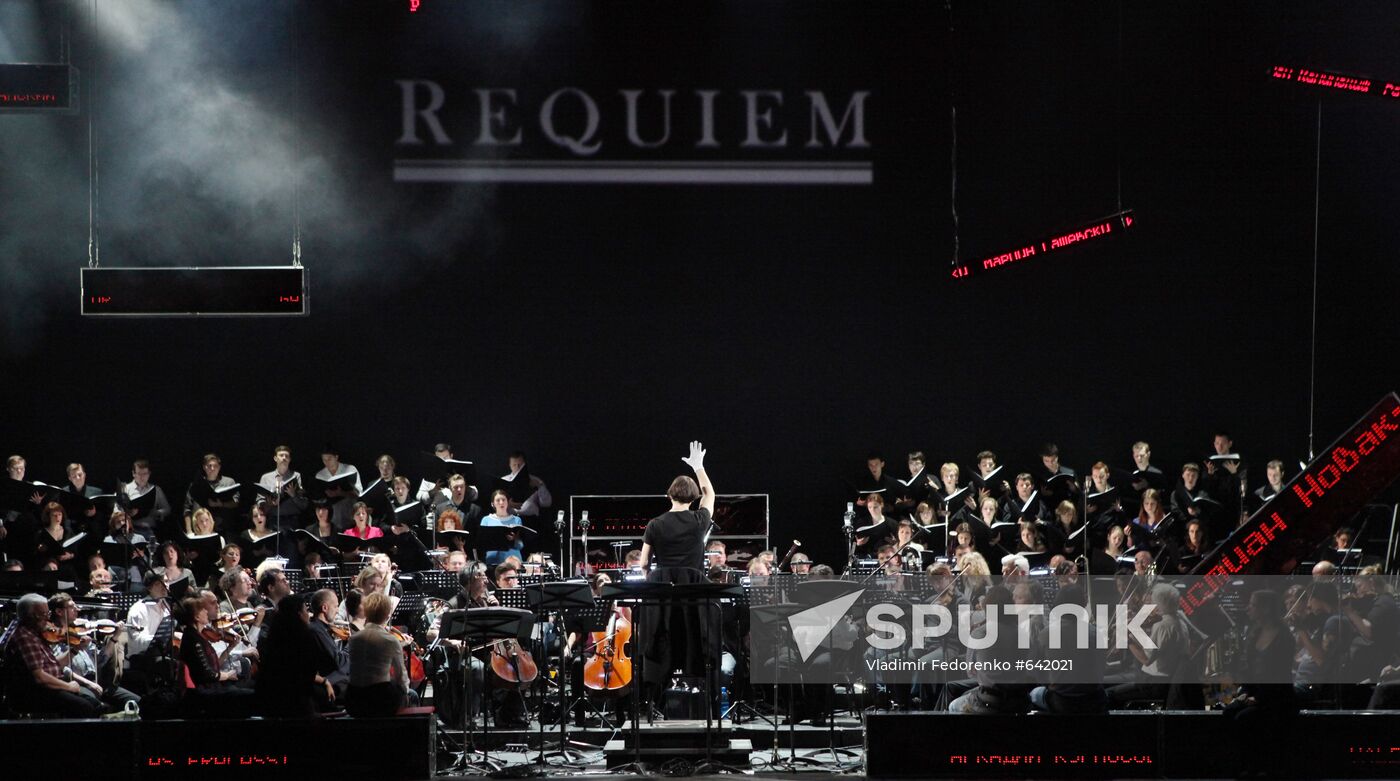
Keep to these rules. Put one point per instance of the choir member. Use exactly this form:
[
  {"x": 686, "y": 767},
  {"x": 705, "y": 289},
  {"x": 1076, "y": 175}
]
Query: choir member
[
  {"x": 214, "y": 491},
  {"x": 1057, "y": 481},
  {"x": 145, "y": 502},
  {"x": 915, "y": 490},
  {"x": 285, "y": 490}
]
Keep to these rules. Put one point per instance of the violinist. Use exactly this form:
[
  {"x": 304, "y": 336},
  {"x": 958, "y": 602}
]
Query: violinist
[
  {"x": 215, "y": 692},
  {"x": 378, "y": 681},
  {"x": 334, "y": 672},
  {"x": 50, "y": 686},
  {"x": 236, "y": 653},
  {"x": 389, "y": 585},
  {"x": 371, "y": 581},
  {"x": 1157, "y": 665},
  {"x": 146, "y": 615},
  {"x": 288, "y": 679},
  {"x": 89, "y": 657},
  {"x": 239, "y": 595},
  {"x": 352, "y": 611}
]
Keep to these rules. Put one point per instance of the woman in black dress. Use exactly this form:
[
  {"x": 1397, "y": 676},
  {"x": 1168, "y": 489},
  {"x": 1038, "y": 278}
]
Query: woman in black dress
[{"x": 674, "y": 637}]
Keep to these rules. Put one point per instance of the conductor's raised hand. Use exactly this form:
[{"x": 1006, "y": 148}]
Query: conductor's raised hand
[{"x": 696, "y": 459}]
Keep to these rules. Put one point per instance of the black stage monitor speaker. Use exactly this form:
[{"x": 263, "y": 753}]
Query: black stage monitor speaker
[{"x": 251, "y": 291}]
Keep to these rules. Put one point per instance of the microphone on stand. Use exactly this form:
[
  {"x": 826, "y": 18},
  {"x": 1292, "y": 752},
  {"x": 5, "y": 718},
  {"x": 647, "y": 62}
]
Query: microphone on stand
[
  {"x": 559, "y": 521},
  {"x": 850, "y": 516}
]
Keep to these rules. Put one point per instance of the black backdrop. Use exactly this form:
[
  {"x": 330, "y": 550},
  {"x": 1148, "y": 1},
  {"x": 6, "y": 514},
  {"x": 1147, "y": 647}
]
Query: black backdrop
[{"x": 791, "y": 328}]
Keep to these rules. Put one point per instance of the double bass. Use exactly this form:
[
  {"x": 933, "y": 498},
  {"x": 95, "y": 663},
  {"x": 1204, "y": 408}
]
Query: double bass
[{"x": 610, "y": 668}]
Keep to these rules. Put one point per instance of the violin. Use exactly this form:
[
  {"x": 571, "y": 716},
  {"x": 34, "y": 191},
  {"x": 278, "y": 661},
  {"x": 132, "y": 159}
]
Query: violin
[
  {"x": 75, "y": 635},
  {"x": 412, "y": 663},
  {"x": 610, "y": 668},
  {"x": 214, "y": 635},
  {"x": 340, "y": 630}
]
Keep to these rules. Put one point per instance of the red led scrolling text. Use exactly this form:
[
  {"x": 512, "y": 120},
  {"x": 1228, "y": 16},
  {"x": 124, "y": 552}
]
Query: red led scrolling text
[
  {"x": 1323, "y": 476},
  {"x": 1061, "y": 241},
  {"x": 1317, "y": 78},
  {"x": 28, "y": 99},
  {"x": 1049, "y": 759},
  {"x": 280, "y": 299},
  {"x": 245, "y": 760}
]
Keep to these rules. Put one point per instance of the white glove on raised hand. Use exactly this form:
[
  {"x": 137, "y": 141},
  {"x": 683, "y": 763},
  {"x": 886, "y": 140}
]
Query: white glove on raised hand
[{"x": 696, "y": 459}]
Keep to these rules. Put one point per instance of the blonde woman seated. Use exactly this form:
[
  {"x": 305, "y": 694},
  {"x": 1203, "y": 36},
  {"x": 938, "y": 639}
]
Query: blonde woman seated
[{"x": 378, "y": 680}]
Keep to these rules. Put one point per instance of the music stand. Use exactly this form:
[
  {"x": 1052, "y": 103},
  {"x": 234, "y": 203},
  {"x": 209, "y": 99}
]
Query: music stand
[
  {"x": 703, "y": 594},
  {"x": 555, "y": 598},
  {"x": 484, "y": 625},
  {"x": 776, "y": 616},
  {"x": 816, "y": 592}
]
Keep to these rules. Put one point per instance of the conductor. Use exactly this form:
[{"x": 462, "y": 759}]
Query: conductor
[{"x": 675, "y": 540}]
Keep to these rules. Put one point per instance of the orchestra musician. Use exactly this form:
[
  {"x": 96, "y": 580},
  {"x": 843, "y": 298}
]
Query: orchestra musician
[
  {"x": 290, "y": 658},
  {"x": 579, "y": 629},
  {"x": 240, "y": 594},
  {"x": 96, "y": 668},
  {"x": 50, "y": 686},
  {"x": 378, "y": 681},
  {"x": 215, "y": 691},
  {"x": 333, "y": 671}
]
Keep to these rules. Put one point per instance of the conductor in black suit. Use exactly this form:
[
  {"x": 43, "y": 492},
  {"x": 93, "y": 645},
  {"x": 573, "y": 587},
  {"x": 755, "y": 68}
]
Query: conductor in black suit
[{"x": 675, "y": 540}]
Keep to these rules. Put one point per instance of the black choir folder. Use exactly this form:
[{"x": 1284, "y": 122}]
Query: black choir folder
[{"x": 203, "y": 493}]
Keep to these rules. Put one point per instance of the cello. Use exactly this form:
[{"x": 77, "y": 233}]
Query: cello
[
  {"x": 610, "y": 668},
  {"x": 512, "y": 665}
]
